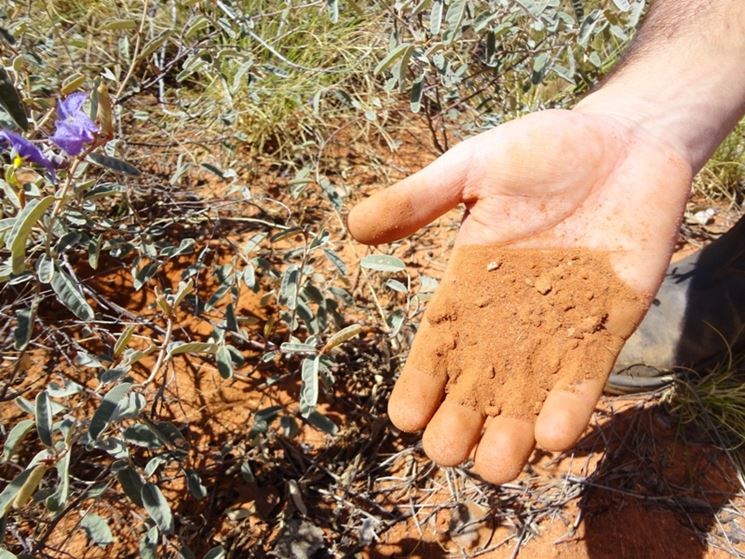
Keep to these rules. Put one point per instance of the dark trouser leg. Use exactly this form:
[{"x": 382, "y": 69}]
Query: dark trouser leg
[{"x": 697, "y": 316}]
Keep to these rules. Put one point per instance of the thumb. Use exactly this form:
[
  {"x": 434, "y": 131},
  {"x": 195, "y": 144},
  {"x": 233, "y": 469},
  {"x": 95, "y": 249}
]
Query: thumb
[{"x": 398, "y": 211}]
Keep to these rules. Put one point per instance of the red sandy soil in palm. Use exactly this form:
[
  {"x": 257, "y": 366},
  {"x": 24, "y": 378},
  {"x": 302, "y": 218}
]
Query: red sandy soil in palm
[{"x": 520, "y": 322}]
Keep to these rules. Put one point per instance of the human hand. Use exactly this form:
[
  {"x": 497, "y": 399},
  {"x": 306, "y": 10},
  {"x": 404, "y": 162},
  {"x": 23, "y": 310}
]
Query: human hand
[{"x": 571, "y": 219}]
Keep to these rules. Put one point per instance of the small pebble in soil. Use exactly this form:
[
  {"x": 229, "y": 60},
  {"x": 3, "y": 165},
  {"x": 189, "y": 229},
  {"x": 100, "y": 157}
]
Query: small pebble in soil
[{"x": 543, "y": 285}]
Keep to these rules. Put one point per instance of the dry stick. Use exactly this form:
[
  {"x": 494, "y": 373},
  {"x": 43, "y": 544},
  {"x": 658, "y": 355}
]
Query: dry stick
[
  {"x": 136, "y": 52},
  {"x": 161, "y": 354}
]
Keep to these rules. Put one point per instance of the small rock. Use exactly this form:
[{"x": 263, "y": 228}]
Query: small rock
[
  {"x": 483, "y": 302},
  {"x": 703, "y": 217},
  {"x": 574, "y": 333},
  {"x": 590, "y": 324},
  {"x": 543, "y": 285},
  {"x": 493, "y": 265},
  {"x": 493, "y": 411}
]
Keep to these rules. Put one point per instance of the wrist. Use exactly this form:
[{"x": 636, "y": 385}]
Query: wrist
[
  {"x": 679, "y": 118},
  {"x": 643, "y": 117},
  {"x": 685, "y": 89}
]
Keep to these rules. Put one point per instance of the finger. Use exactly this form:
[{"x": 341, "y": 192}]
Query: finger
[
  {"x": 419, "y": 199},
  {"x": 504, "y": 449},
  {"x": 451, "y": 433},
  {"x": 566, "y": 413},
  {"x": 421, "y": 386}
]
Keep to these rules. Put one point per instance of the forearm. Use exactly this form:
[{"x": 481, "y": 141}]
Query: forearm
[{"x": 683, "y": 79}]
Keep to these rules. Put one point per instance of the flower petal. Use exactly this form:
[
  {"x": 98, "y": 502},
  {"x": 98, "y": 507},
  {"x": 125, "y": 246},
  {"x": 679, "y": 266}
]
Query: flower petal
[
  {"x": 71, "y": 105},
  {"x": 26, "y": 149}
]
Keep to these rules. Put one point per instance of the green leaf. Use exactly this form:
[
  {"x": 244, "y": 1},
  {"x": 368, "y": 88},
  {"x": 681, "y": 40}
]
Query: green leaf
[
  {"x": 264, "y": 418},
  {"x": 154, "y": 44},
  {"x": 395, "y": 321},
  {"x": 58, "y": 499},
  {"x": 72, "y": 83},
  {"x": 44, "y": 418},
  {"x": 157, "y": 507},
  {"x": 67, "y": 388},
  {"x": 322, "y": 422},
  {"x": 119, "y": 24},
  {"x": 435, "y": 17},
  {"x": 401, "y": 51},
  {"x": 5, "y": 554},
  {"x": 194, "y": 483},
  {"x": 253, "y": 243},
  {"x": 22, "y": 333},
  {"x": 44, "y": 269},
  {"x": 415, "y": 98},
  {"x": 336, "y": 261},
  {"x": 24, "y": 224},
  {"x": 177, "y": 348},
  {"x": 114, "y": 164},
  {"x": 143, "y": 275},
  {"x": 454, "y": 18},
  {"x": 140, "y": 435},
  {"x": 123, "y": 340},
  {"x": 149, "y": 544},
  {"x": 224, "y": 362},
  {"x": 396, "y": 285},
  {"x": 383, "y": 263},
  {"x": 342, "y": 336},
  {"x": 132, "y": 484},
  {"x": 14, "y": 437},
  {"x": 106, "y": 409},
  {"x": 333, "y": 8},
  {"x": 288, "y": 288},
  {"x": 97, "y": 529},
  {"x": 10, "y": 99},
  {"x": 69, "y": 295},
  {"x": 289, "y": 347},
  {"x": 246, "y": 472},
  {"x": 11, "y": 490},
  {"x": 309, "y": 391},
  {"x": 587, "y": 27}
]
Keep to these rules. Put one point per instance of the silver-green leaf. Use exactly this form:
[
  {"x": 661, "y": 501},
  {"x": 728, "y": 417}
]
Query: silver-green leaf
[
  {"x": 70, "y": 296},
  {"x": 97, "y": 529},
  {"x": 106, "y": 409},
  {"x": 14, "y": 437},
  {"x": 157, "y": 507},
  {"x": 24, "y": 224},
  {"x": 383, "y": 263},
  {"x": 224, "y": 362},
  {"x": 44, "y": 418}
]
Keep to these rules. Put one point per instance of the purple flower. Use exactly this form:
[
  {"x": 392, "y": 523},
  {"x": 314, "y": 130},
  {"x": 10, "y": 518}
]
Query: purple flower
[
  {"x": 74, "y": 128},
  {"x": 25, "y": 149}
]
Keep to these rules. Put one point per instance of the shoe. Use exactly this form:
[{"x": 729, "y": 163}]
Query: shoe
[{"x": 696, "y": 319}]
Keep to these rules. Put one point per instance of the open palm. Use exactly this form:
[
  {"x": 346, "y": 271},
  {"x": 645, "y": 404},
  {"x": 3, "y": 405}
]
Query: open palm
[{"x": 551, "y": 180}]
